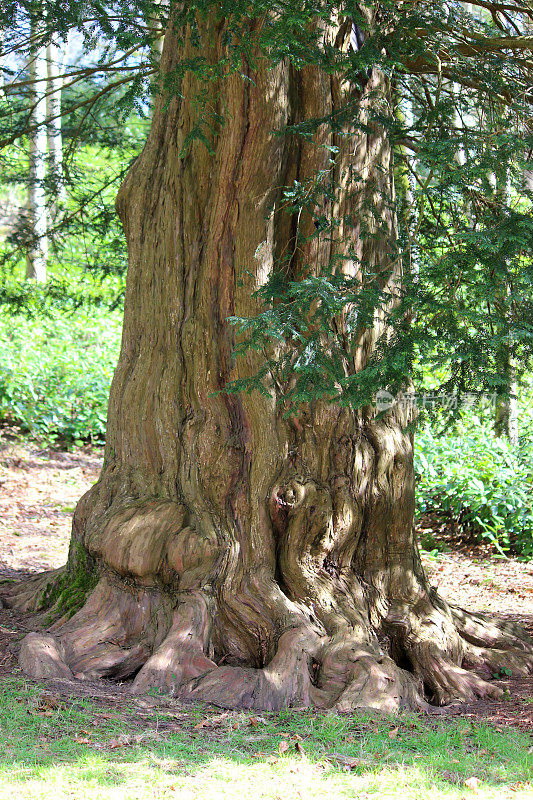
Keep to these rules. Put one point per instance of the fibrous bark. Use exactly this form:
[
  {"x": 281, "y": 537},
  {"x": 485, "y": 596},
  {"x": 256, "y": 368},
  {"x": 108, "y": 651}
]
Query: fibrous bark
[{"x": 246, "y": 559}]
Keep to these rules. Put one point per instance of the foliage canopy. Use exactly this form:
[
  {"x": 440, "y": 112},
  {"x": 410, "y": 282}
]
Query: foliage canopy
[{"x": 458, "y": 116}]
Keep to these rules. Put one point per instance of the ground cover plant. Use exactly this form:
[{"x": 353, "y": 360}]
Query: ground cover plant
[
  {"x": 71, "y": 746},
  {"x": 478, "y": 483},
  {"x": 55, "y": 373}
]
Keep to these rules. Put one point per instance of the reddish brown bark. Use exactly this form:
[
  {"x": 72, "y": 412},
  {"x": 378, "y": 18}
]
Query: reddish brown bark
[{"x": 244, "y": 559}]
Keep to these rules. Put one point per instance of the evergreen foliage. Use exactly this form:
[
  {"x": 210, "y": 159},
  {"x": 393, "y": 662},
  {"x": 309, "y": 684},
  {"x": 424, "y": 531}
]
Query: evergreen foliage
[{"x": 458, "y": 118}]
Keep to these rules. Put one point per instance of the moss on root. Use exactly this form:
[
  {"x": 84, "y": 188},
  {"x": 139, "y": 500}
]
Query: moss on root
[{"x": 68, "y": 592}]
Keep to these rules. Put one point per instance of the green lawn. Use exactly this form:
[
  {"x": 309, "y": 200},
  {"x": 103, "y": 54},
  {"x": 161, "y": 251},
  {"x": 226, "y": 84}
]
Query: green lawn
[{"x": 59, "y": 747}]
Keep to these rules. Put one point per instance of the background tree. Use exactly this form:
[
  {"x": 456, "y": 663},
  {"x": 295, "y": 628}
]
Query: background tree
[
  {"x": 95, "y": 101},
  {"x": 35, "y": 218},
  {"x": 56, "y": 54},
  {"x": 257, "y": 548}
]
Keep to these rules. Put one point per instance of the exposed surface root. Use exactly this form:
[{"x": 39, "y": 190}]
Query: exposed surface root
[
  {"x": 111, "y": 636},
  {"x": 181, "y": 656},
  {"x": 32, "y": 594},
  {"x": 433, "y": 645},
  {"x": 42, "y": 657},
  {"x": 494, "y": 650},
  {"x": 381, "y": 685},
  {"x": 285, "y": 681},
  {"x": 499, "y": 663},
  {"x": 481, "y": 630},
  {"x": 447, "y": 682},
  {"x": 135, "y": 632}
]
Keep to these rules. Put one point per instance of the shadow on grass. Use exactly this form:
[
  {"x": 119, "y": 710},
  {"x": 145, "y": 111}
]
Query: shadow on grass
[{"x": 60, "y": 746}]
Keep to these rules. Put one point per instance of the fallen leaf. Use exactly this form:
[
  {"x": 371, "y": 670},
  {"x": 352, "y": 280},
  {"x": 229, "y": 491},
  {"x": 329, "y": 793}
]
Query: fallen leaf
[
  {"x": 283, "y": 746},
  {"x": 393, "y": 733},
  {"x": 124, "y": 741},
  {"x": 113, "y": 744},
  {"x": 213, "y": 722},
  {"x": 473, "y": 783},
  {"x": 50, "y": 702},
  {"x": 299, "y": 749},
  {"x": 347, "y": 762},
  {"x": 256, "y": 721}
]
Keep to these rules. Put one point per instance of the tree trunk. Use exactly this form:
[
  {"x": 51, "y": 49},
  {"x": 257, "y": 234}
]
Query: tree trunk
[
  {"x": 506, "y": 407},
  {"x": 36, "y": 214},
  {"x": 2, "y": 60},
  {"x": 56, "y": 52},
  {"x": 506, "y": 410},
  {"x": 243, "y": 558}
]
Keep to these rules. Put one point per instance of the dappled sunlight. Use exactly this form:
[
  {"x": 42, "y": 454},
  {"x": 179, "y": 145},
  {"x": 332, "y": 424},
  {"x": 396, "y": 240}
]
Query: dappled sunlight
[
  {"x": 289, "y": 552},
  {"x": 206, "y": 775},
  {"x": 69, "y": 747}
]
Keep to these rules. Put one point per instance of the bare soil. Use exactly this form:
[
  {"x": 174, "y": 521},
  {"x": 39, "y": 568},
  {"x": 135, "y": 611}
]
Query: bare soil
[{"x": 39, "y": 489}]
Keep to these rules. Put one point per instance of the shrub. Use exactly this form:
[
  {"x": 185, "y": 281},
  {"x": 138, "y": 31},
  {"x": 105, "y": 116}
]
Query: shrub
[
  {"x": 480, "y": 482},
  {"x": 55, "y": 374}
]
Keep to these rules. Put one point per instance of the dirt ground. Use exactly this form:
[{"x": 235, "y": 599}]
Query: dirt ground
[{"x": 39, "y": 490}]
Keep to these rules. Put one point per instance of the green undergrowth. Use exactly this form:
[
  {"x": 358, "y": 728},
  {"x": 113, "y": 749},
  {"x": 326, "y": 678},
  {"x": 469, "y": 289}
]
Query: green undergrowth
[
  {"x": 55, "y": 374},
  {"x": 478, "y": 483},
  {"x": 70, "y": 747}
]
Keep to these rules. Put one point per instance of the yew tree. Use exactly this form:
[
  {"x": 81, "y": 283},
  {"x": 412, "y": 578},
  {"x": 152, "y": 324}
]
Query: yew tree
[{"x": 250, "y": 541}]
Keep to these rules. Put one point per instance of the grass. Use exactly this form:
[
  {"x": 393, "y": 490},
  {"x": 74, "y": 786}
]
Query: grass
[{"x": 59, "y": 747}]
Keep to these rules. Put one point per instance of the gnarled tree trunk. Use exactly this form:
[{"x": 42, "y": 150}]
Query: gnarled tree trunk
[{"x": 243, "y": 558}]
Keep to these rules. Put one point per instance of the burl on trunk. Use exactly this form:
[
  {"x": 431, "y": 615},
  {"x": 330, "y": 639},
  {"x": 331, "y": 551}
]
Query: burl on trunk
[{"x": 243, "y": 558}]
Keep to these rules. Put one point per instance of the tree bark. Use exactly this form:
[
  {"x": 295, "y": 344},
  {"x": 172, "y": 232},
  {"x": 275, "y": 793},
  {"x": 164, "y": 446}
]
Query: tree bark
[
  {"x": 506, "y": 407},
  {"x": 506, "y": 410},
  {"x": 56, "y": 52},
  {"x": 245, "y": 559},
  {"x": 36, "y": 214}
]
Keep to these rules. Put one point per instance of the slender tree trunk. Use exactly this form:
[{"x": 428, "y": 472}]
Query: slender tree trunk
[
  {"x": 55, "y": 56},
  {"x": 407, "y": 181},
  {"x": 506, "y": 410},
  {"x": 243, "y": 558},
  {"x": 36, "y": 214},
  {"x": 2, "y": 59},
  {"x": 158, "y": 25}
]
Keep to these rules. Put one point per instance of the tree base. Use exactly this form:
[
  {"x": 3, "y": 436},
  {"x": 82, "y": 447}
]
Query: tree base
[{"x": 445, "y": 655}]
